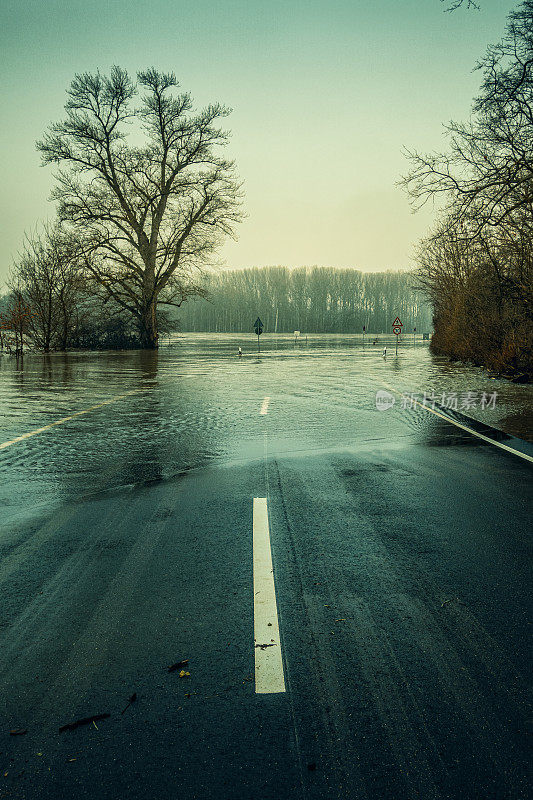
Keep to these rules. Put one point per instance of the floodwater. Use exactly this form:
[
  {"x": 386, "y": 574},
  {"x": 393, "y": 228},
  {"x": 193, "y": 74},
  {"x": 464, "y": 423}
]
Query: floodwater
[{"x": 196, "y": 401}]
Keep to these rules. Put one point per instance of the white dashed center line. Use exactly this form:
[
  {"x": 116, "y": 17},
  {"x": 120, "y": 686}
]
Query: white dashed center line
[
  {"x": 269, "y": 677},
  {"x": 264, "y": 407}
]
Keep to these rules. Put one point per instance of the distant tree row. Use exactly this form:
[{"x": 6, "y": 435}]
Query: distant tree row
[{"x": 309, "y": 299}]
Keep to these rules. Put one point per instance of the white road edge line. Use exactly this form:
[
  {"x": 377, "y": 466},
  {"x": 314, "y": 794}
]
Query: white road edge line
[
  {"x": 463, "y": 427},
  {"x": 66, "y": 419},
  {"x": 269, "y": 677},
  {"x": 264, "y": 407}
]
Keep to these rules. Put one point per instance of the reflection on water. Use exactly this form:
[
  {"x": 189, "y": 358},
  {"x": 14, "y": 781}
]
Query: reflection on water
[{"x": 196, "y": 401}]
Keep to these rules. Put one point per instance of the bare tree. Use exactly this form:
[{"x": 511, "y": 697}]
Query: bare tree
[
  {"x": 477, "y": 264},
  {"x": 15, "y": 323},
  {"x": 487, "y": 173},
  {"x": 49, "y": 278},
  {"x": 143, "y": 187}
]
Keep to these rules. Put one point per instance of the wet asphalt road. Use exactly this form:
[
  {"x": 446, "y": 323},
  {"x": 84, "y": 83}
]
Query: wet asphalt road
[{"x": 402, "y": 564}]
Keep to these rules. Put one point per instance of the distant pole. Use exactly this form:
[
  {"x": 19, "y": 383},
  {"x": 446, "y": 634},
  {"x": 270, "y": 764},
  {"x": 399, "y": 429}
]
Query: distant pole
[
  {"x": 414, "y": 337},
  {"x": 397, "y": 329},
  {"x": 258, "y": 344},
  {"x": 364, "y": 329}
]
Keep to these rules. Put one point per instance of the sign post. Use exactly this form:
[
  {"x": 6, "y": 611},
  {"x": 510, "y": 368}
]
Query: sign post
[
  {"x": 397, "y": 326},
  {"x": 258, "y": 328},
  {"x": 414, "y": 337},
  {"x": 364, "y": 329}
]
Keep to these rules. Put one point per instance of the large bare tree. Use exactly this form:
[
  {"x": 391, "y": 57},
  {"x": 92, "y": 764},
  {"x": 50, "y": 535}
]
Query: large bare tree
[{"x": 144, "y": 187}]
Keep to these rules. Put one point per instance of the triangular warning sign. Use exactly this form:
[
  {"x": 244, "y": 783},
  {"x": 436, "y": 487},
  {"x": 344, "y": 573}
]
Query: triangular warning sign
[{"x": 398, "y": 321}]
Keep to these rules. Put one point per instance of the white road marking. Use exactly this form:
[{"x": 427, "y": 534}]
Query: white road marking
[
  {"x": 264, "y": 407},
  {"x": 269, "y": 677},
  {"x": 458, "y": 425},
  {"x": 66, "y": 419}
]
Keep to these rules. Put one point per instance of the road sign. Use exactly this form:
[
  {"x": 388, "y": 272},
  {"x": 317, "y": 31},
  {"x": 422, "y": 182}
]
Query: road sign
[
  {"x": 397, "y": 326},
  {"x": 258, "y": 328}
]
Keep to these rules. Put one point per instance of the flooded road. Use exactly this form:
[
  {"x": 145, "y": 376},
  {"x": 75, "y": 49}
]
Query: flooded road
[
  {"x": 195, "y": 401},
  {"x": 349, "y": 586}
]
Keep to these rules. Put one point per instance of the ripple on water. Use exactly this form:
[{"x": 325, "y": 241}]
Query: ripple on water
[{"x": 199, "y": 402}]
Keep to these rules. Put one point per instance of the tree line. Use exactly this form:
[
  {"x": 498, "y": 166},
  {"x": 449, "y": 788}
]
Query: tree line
[
  {"x": 477, "y": 263},
  {"x": 309, "y": 299}
]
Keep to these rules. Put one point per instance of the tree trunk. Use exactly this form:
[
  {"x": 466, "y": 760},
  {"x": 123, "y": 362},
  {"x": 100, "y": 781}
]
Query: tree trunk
[
  {"x": 48, "y": 324},
  {"x": 65, "y": 324},
  {"x": 64, "y": 336},
  {"x": 148, "y": 327}
]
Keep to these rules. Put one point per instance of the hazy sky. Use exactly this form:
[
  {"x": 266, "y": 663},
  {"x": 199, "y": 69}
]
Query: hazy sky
[{"x": 325, "y": 95}]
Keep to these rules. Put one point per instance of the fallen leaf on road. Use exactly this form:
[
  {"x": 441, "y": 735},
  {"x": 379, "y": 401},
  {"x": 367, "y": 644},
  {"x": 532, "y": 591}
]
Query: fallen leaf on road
[
  {"x": 184, "y": 674},
  {"x": 262, "y": 646}
]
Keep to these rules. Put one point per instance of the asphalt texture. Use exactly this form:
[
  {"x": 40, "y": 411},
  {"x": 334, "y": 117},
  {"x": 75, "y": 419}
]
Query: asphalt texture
[{"x": 401, "y": 550}]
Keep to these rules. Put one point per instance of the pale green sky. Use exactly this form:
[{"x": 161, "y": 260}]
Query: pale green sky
[{"x": 325, "y": 95}]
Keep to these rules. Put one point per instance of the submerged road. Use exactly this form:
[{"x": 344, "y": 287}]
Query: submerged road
[{"x": 346, "y": 591}]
